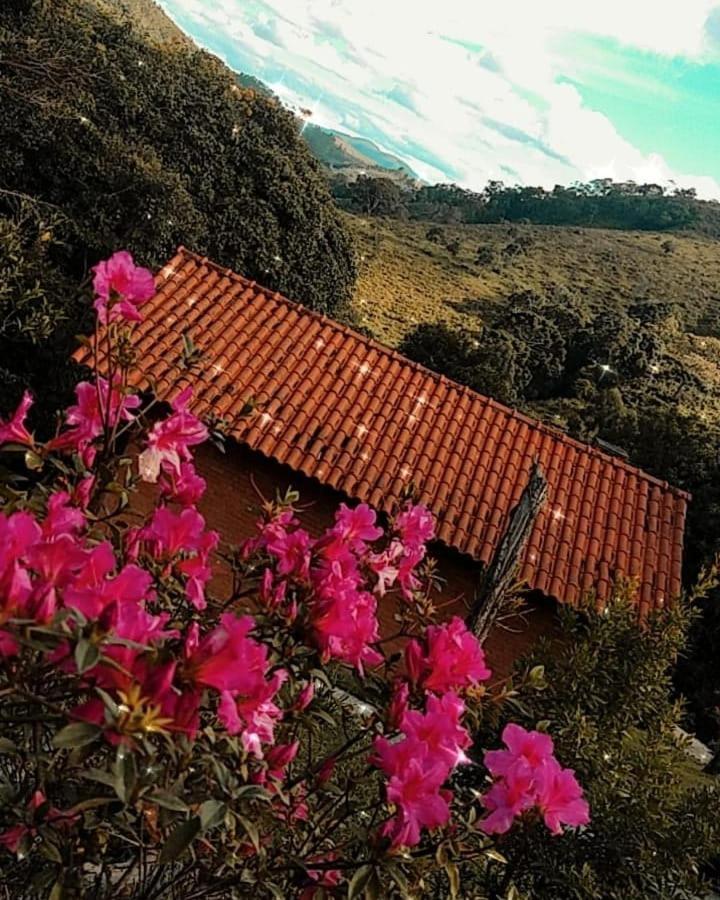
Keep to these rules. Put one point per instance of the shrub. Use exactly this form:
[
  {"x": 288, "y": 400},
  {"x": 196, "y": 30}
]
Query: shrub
[
  {"x": 160, "y": 739},
  {"x": 608, "y": 702}
]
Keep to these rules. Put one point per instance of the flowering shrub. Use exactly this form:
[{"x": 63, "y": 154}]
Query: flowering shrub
[{"x": 163, "y": 738}]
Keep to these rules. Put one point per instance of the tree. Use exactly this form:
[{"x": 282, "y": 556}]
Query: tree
[
  {"x": 434, "y": 234},
  {"x": 484, "y": 255},
  {"x": 144, "y": 146},
  {"x": 453, "y": 247},
  {"x": 159, "y": 739}
]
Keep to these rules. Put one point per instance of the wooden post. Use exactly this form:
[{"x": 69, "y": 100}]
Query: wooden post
[{"x": 492, "y": 595}]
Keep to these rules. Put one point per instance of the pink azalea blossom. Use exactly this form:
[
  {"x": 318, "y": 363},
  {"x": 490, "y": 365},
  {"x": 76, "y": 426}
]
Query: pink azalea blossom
[
  {"x": 97, "y": 407},
  {"x": 417, "y": 766},
  {"x": 439, "y": 729},
  {"x": 356, "y": 526},
  {"x": 416, "y": 792},
  {"x": 415, "y": 526},
  {"x": 507, "y": 799},
  {"x": 14, "y": 431},
  {"x": 529, "y": 777},
  {"x": 120, "y": 288},
  {"x": 344, "y": 622},
  {"x": 292, "y": 551},
  {"x": 305, "y": 697},
  {"x": 454, "y": 659},
  {"x": 169, "y": 441},
  {"x": 559, "y": 797},
  {"x": 398, "y": 705},
  {"x": 183, "y": 486},
  {"x": 252, "y": 716},
  {"x": 530, "y": 748}
]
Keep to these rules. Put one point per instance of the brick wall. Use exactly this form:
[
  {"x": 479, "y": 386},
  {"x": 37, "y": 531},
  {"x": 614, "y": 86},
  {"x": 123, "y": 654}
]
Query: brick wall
[{"x": 240, "y": 479}]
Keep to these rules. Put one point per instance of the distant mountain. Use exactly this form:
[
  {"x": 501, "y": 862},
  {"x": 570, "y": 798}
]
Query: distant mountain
[
  {"x": 334, "y": 149},
  {"x": 337, "y": 150}
]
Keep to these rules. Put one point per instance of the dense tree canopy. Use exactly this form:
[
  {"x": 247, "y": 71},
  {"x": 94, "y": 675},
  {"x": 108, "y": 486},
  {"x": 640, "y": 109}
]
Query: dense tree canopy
[
  {"x": 601, "y": 203},
  {"x": 144, "y": 146}
]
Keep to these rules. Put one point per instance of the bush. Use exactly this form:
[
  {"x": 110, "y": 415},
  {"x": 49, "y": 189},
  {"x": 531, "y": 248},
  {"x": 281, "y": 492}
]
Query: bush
[
  {"x": 607, "y": 699},
  {"x": 159, "y": 739}
]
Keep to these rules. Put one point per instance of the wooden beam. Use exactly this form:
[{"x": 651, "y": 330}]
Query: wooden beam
[{"x": 492, "y": 597}]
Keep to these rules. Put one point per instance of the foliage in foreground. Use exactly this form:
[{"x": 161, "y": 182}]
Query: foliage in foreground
[
  {"x": 162, "y": 739},
  {"x": 608, "y": 703}
]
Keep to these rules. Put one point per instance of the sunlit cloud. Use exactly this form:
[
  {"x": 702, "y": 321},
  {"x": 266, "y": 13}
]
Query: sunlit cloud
[{"x": 535, "y": 92}]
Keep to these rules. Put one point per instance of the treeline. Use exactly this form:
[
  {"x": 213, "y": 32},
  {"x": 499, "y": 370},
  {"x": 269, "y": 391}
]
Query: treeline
[{"x": 601, "y": 203}]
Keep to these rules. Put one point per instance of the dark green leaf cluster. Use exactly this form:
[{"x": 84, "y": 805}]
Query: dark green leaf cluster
[
  {"x": 146, "y": 147},
  {"x": 607, "y": 700}
]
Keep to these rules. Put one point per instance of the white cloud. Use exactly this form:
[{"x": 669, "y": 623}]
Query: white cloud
[{"x": 416, "y": 74}]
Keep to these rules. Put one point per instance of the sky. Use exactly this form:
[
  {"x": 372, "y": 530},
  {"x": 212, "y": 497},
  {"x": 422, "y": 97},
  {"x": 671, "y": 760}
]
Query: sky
[{"x": 538, "y": 92}]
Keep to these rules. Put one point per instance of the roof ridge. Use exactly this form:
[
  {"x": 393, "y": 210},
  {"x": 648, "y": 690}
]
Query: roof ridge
[{"x": 538, "y": 424}]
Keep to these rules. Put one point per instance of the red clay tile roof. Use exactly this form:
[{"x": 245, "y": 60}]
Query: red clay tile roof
[{"x": 359, "y": 417}]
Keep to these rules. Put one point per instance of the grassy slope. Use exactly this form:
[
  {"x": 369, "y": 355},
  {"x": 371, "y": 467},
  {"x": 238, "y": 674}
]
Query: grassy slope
[{"x": 406, "y": 279}]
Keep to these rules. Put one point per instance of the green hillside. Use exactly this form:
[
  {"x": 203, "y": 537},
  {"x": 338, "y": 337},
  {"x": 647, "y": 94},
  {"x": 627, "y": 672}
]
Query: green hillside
[{"x": 405, "y": 279}]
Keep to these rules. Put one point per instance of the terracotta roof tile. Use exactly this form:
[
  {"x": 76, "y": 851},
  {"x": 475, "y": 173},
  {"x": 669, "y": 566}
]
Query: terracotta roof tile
[{"x": 353, "y": 414}]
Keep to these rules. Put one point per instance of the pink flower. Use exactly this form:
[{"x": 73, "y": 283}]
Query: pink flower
[
  {"x": 183, "y": 486},
  {"x": 97, "y": 407},
  {"x": 530, "y": 748},
  {"x": 344, "y": 621},
  {"x": 227, "y": 659},
  {"x": 414, "y": 661},
  {"x": 14, "y": 431},
  {"x": 398, "y": 705},
  {"x": 292, "y": 551},
  {"x": 507, "y": 799},
  {"x": 305, "y": 697},
  {"x": 439, "y": 729},
  {"x": 559, "y": 797},
  {"x": 280, "y": 757},
  {"x": 415, "y": 790},
  {"x": 169, "y": 441},
  {"x": 418, "y": 765},
  {"x": 356, "y": 526},
  {"x": 120, "y": 287},
  {"x": 531, "y": 778},
  {"x": 454, "y": 659},
  {"x": 252, "y": 716},
  {"x": 415, "y": 526},
  {"x": 171, "y": 535}
]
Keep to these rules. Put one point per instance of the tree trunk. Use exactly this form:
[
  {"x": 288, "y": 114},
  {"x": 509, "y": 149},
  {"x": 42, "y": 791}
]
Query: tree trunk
[{"x": 492, "y": 596}]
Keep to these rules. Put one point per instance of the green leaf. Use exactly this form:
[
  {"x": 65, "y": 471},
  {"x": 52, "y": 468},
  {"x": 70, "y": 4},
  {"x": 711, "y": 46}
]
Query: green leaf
[
  {"x": 125, "y": 772},
  {"x": 360, "y": 881},
  {"x": 399, "y": 878},
  {"x": 77, "y": 734},
  {"x": 34, "y": 463},
  {"x": 86, "y": 655},
  {"x": 253, "y": 792},
  {"x": 180, "y": 839},
  {"x": 100, "y": 776},
  {"x": 453, "y": 875},
  {"x": 7, "y": 746},
  {"x": 168, "y": 801},
  {"x": 251, "y": 831},
  {"x": 211, "y": 813}
]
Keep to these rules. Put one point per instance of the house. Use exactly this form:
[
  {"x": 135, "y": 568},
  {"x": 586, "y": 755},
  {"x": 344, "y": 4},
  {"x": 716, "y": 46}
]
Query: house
[{"x": 340, "y": 416}]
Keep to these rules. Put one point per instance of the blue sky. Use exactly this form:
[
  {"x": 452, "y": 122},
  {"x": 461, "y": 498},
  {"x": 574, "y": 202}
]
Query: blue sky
[{"x": 527, "y": 91}]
